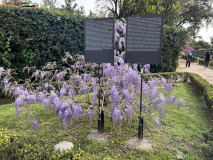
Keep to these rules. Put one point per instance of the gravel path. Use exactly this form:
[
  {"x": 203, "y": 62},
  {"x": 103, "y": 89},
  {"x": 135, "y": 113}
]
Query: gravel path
[{"x": 205, "y": 73}]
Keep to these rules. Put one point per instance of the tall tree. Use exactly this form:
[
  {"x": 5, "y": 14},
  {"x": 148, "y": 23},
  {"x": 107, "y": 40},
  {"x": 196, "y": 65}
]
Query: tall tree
[
  {"x": 49, "y": 3},
  {"x": 71, "y": 7},
  {"x": 177, "y": 12},
  {"x": 211, "y": 41}
]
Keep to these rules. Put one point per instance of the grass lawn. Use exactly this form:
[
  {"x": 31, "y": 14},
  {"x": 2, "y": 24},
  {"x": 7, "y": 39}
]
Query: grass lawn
[{"x": 180, "y": 133}]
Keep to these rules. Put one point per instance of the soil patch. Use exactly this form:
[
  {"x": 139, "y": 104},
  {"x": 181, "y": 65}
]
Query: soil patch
[
  {"x": 98, "y": 136},
  {"x": 144, "y": 144},
  {"x": 6, "y": 100}
]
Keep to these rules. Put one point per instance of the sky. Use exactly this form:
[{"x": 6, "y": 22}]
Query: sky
[{"x": 205, "y": 32}]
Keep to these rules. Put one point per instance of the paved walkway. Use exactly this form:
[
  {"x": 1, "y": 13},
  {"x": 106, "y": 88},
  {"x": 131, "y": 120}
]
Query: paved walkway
[{"x": 205, "y": 73}]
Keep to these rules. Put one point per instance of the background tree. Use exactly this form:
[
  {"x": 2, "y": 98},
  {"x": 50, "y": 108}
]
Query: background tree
[
  {"x": 72, "y": 7},
  {"x": 177, "y": 12},
  {"x": 49, "y": 3},
  {"x": 211, "y": 41},
  {"x": 201, "y": 44}
]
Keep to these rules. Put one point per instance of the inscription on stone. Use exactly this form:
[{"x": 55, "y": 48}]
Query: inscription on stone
[
  {"x": 99, "y": 34},
  {"x": 144, "y": 34}
]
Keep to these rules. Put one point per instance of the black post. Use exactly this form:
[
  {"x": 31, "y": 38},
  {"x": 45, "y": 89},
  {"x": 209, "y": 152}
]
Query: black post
[
  {"x": 140, "y": 124},
  {"x": 102, "y": 120},
  {"x": 99, "y": 105},
  {"x": 101, "y": 112}
]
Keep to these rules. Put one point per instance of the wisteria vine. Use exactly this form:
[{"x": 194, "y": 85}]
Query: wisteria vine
[{"x": 61, "y": 90}]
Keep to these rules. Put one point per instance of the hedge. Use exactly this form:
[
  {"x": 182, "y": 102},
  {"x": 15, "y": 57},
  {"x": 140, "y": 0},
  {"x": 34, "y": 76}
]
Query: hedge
[
  {"x": 202, "y": 87},
  {"x": 202, "y": 62},
  {"x": 173, "y": 40},
  {"x": 35, "y": 36}
]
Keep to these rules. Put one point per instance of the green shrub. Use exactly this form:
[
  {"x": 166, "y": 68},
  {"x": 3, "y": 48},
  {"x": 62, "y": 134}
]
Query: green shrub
[
  {"x": 35, "y": 36},
  {"x": 207, "y": 146},
  {"x": 24, "y": 146},
  {"x": 194, "y": 58},
  {"x": 202, "y": 87},
  {"x": 202, "y": 62},
  {"x": 173, "y": 41}
]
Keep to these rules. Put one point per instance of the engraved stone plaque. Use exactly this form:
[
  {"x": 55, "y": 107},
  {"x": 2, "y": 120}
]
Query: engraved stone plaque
[
  {"x": 144, "y": 39},
  {"x": 99, "y": 40}
]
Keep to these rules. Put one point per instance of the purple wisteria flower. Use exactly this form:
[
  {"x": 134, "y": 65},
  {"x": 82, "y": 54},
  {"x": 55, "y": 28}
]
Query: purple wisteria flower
[
  {"x": 152, "y": 94},
  {"x": 114, "y": 96},
  {"x": 147, "y": 68},
  {"x": 60, "y": 76},
  {"x": 164, "y": 82},
  {"x": 171, "y": 99},
  {"x": 36, "y": 74},
  {"x": 83, "y": 90},
  {"x": 18, "y": 112},
  {"x": 47, "y": 104},
  {"x": 149, "y": 108},
  {"x": 130, "y": 77},
  {"x": 64, "y": 106},
  {"x": 82, "y": 58},
  {"x": 90, "y": 115},
  {"x": 116, "y": 117},
  {"x": 162, "y": 100},
  {"x": 68, "y": 115},
  {"x": 180, "y": 103},
  {"x": 169, "y": 88},
  {"x": 69, "y": 69},
  {"x": 62, "y": 93},
  {"x": 128, "y": 112},
  {"x": 41, "y": 97},
  {"x": 123, "y": 54},
  {"x": 155, "y": 104},
  {"x": 1, "y": 71},
  {"x": 151, "y": 84},
  {"x": 116, "y": 36},
  {"x": 56, "y": 104},
  {"x": 52, "y": 96},
  {"x": 77, "y": 110},
  {"x": 94, "y": 96},
  {"x": 128, "y": 97},
  {"x": 157, "y": 123},
  {"x": 65, "y": 85},
  {"x": 71, "y": 93},
  {"x": 18, "y": 91},
  {"x": 122, "y": 42},
  {"x": 60, "y": 115},
  {"x": 86, "y": 78},
  {"x": 35, "y": 124},
  {"x": 46, "y": 86},
  {"x": 93, "y": 84},
  {"x": 161, "y": 111},
  {"x": 6, "y": 81},
  {"x": 19, "y": 101},
  {"x": 30, "y": 99}
]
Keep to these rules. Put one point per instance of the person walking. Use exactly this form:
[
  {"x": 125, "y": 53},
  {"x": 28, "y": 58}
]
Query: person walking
[
  {"x": 188, "y": 59},
  {"x": 207, "y": 58}
]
